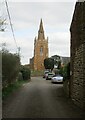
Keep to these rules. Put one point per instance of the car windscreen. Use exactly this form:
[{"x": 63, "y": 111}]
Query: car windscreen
[
  {"x": 46, "y": 72},
  {"x": 50, "y": 74}
]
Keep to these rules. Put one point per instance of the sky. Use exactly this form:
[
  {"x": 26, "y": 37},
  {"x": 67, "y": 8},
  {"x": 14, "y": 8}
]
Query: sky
[{"x": 25, "y": 18}]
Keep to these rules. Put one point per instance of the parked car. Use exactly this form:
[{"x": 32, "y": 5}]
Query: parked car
[
  {"x": 49, "y": 76},
  {"x": 57, "y": 79},
  {"x": 45, "y": 74}
]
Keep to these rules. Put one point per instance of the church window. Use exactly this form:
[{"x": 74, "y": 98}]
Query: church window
[{"x": 41, "y": 51}]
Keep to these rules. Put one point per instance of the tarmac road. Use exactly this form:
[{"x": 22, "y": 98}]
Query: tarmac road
[{"x": 40, "y": 99}]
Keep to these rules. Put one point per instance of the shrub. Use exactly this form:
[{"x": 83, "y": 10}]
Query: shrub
[
  {"x": 68, "y": 70},
  {"x": 65, "y": 71},
  {"x": 10, "y": 67},
  {"x": 20, "y": 77},
  {"x": 26, "y": 73}
]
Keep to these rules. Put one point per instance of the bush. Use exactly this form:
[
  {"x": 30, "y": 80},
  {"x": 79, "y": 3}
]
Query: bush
[
  {"x": 26, "y": 73},
  {"x": 10, "y": 67},
  {"x": 65, "y": 71},
  {"x": 20, "y": 77},
  {"x": 68, "y": 70}
]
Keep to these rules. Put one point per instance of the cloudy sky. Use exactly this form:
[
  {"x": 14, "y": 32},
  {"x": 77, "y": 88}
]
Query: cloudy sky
[{"x": 25, "y": 18}]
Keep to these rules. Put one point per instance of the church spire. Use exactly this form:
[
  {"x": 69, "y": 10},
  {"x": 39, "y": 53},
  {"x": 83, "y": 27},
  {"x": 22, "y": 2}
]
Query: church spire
[
  {"x": 41, "y": 26},
  {"x": 41, "y": 31}
]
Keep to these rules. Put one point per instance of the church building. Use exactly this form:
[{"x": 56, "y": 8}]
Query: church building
[{"x": 40, "y": 50}]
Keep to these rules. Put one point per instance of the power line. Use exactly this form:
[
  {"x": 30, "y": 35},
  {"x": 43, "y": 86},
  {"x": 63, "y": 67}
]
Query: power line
[{"x": 11, "y": 24}]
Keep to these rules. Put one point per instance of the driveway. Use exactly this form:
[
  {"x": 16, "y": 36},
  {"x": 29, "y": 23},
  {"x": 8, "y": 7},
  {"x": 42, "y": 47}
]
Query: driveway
[{"x": 40, "y": 99}]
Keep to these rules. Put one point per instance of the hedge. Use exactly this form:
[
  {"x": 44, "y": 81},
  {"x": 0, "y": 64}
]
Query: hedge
[{"x": 10, "y": 67}]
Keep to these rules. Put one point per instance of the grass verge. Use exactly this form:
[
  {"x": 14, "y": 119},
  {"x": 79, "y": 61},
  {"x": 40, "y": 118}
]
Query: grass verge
[{"x": 10, "y": 88}]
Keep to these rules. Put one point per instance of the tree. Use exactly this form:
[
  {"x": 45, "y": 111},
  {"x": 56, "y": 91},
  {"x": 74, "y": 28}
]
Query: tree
[
  {"x": 59, "y": 64},
  {"x": 49, "y": 63},
  {"x": 57, "y": 61},
  {"x": 2, "y": 24}
]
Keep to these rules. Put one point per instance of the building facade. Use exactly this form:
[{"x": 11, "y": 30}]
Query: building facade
[
  {"x": 40, "y": 50},
  {"x": 77, "y": 81}
]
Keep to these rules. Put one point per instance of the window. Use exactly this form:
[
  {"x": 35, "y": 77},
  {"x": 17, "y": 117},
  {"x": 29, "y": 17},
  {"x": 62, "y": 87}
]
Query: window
[{"x": 41, "y": 51}]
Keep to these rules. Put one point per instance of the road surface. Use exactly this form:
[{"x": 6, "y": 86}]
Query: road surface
[{"x": 40, "y": 99}]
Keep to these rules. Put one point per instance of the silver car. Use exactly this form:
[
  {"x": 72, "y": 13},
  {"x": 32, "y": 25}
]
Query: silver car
[
  {"x": 57, "y": 79},
  {"x": 45, "y": 74},
  {"x": 49, "y": 76}
]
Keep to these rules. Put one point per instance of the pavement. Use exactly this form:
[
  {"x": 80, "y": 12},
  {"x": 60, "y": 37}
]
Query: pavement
[{"x": 40, "y": 99}]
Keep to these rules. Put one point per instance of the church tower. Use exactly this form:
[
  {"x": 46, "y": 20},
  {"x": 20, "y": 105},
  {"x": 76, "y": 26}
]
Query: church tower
[{"x": 40, "y": 49}]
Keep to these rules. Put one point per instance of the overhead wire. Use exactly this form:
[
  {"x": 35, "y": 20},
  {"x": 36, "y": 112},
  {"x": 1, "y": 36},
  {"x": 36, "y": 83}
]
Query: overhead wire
[{"x": 11, "y": 24}]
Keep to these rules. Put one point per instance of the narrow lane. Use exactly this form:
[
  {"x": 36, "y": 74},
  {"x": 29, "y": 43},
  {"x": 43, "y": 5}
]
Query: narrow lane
[{"x": 40, "y": 99}]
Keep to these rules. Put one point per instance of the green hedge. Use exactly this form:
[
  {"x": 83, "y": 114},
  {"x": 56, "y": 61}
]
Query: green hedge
[
  {"x": 10, "y": 67},
  {"x": 26, "y": 73},
  {"x": 65, "y": 71}
]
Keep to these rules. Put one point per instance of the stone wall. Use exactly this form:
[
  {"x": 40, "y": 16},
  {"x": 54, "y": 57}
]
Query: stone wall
[
  {"x": 32, "y": 63},
  {"x": 84, "y": 76},
  {"x": 78, "y": 78},
  {"x": 77, "y": 82}
]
